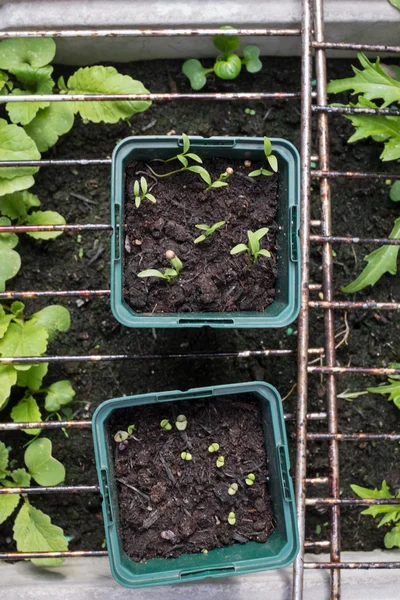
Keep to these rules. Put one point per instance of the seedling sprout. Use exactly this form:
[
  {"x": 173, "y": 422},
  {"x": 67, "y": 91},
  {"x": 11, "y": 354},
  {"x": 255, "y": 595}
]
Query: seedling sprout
[
  {"x": 121, "y": 436},
  {"x": 250, "y": 479},
  {"x": 253, "y": 248},
  {"x": 140, "y": 192},
  {"x": 166, "y": 425},
  {"x": 169, "y": 273},
  {"x": 233, "y": 488},
  {"x": 181, "y": 422},
  {"x": 214, "y": 447},
  {"x": 207, "y": 230},
  {"x": 220, "y": 462},
  {"x": 186, "y": 456},
  {"x": 232, "y": 518}
]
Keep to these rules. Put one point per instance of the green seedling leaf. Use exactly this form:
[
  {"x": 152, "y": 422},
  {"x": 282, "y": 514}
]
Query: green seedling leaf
[
  {"x": 3, "y": 80},
  {"x": 250, "y": 479},
  {"x": 41, "y": 465},
  {"x": 106, "y": 80},
  {"x": 8, "y": 186},
  {"x": 46, "y": 217},
  {"x": 392, "y": 390},
  {"x": 49, "y": 124},
  {"x": 3, "y": 459},
  {"x": 239, "y": 248},
  {"x": 194, "y": 157},
  {"x": 17, "y": 205},
  {"x": 267, "y": 147},
  {"x": 380, "y": 261},
  {"x": 255, "y": 173},
  {"x": 8, "y": 503},
  {"x": 395, "y": 192},
  {"x": 181, "y": 422},
  {"x": 226, "y": 44},
  {"x": 59, "y": 394},
  {"x": 254, "y": 242},
  {"x": 15, "y": 144},
  {"x": 5, "y": 320},
  {"x": 186, "y": 456},
  {"x": 34, "y": 532},
  {"x": 214, "y": 447},
  {"x": 27, "y": 410},
  {"x": 121, "y": 436},
  {"x": 194, "y": 71},
  {"x": 220, "y": 462},
  {"x": 260, "y": 233},
  {"x": 204, "y": 174},
  {"x": 32, "y": 379},
  {"x": 7, "y": 240},
  {"x": 392, "y": 538},
  {"x": 232, "y": 518},
  {"x": 37, "y": 81},
  {"x": 251, "y": 59},
  {"x": 17, "y": 308},
  {"x": 233, "y": 488},
  {"x": 18, "y": 52},
  {"x": 131, "y": 429},
  {"x": 228, "y": 67},
  {"x": 372, "y": 82},
  {"x": 21, "y": 477},
  {"x": 273, "y": 162},
  {"x": 8, "y": 378},
  {"x": 54, "y": 319},
  {"x": 186, "y": 143},
  {"x": 165, "y": 424},
  {"x": 152, "y": 273},
  {"x": 24, "y": 339}
]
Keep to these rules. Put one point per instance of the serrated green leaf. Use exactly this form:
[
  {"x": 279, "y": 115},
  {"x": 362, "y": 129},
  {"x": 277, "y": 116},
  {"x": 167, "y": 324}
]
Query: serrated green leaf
[
  {"x": 36, "y": 52},
  {"x": 41, "y": 465},
  {"x": 45, "y": 217},
  {"x": 3, "y": 79},
  {"x": 393, "y": 390},
  {"x": 251, "y": 59},
  {"x": 15, "y": 144},
  {"x": 228, "y": 67},
  {"x": 49, "y": 124},
  {"x": 226, "y": 44},
  {"x": 195, "y": 72},
  {"x": 17, "y": 308},
  {"x": 27, "y": 410},
  {"x": 32, "y": 378},
  {"x": 24, "y": 339},
  {"x": 10, "y": 264},
  {"x": 8, "y": 503},
  {"x": 380, "y": 261},
  {"x": 8, "y": 186},
  {"x": 395, "y": 192},
  {"x": 392, "y": 538},
  {"x": 5, "y": 320},
  {"x": 106, "y": 80},
  {"x": 34, "y": 532},
  {"x": 59, "y": 394},
  {"x": 16, "y": 205},
  {"x": 3, "y": 457},
  {"x": 21, "y": 477},
  {"x": 372, "y": 82},
  {"x": 54, "y": 319},
  {"x": 363, "y": 492},
  {"x": 8, "y": 378}
]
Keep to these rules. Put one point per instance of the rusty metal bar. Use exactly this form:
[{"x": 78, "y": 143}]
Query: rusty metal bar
[
  {"x": 56, "y": 163},
  {"x": 337, "y": 239},
  {"x": 352, "y": 175},
  {"x": 354, "y": 437},
  {"x": 317, "y": 544},
  {"x": 352, "y": 370},
  {"x": 303, "y": 320},
  {"x": 317, "y": 480},
  {"x": 117, "y": 32},
  {"x": 350, "y": 46},
  {"x": 150, "y": 97},
  {"x": 30, "y": 228},
  {"x": 66, "y": 554},
  {"x": 354, "y": 565},
  {"x": 61, "y": 489},
  {"x": 349, "y": 110},
  {"x": 346, "y": 305},
  {"x": 351, "y": 501},
  {"x": 52, "y": 293},
  {"x": 327, "y": 286}
]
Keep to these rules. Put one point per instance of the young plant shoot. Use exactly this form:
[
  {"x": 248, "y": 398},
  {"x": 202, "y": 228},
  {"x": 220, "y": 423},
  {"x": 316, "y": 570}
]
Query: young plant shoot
[
  {"x": 166, "y": 425},
  {"x": 271, "y": 160},
  {"x": 121, "y": 436},
  {"x": 181, "y": 422},
  {"x": 233, "y": 488},
  {"x": 140, "y": 192},
  {"x": 183, "y": 156},
  {"x": 169, "y": 273},
  {"x": 207, "y": 231},
  {"x": 232, "y": 518},
  {"x": 253, "y": 248},
  {"x": 221, "y": 181},
  {"x": 250, "y": 479},
  {"x": 214, "y": 447},
  {"x": 220, "y": 462},
  {"x": 186, "y": 456}
]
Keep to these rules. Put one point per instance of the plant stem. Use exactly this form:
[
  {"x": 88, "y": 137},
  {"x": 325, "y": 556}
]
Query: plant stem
[{"x": 166, "y": 174}]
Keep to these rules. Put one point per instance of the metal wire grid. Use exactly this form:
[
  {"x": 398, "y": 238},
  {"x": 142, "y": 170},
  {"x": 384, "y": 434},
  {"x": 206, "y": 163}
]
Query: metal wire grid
[{"x": 312, "y": 33}]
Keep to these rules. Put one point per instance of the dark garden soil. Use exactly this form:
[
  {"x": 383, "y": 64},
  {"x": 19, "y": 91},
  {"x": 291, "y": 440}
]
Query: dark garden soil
[
  {"x": 188, "y": 500},
  {"x": 211, "y": 279},
  {"x": 81, "y": 261}
]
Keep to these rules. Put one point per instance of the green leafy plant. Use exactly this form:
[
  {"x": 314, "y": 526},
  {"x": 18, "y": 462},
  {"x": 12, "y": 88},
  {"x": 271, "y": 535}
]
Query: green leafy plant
[
  {"x": 33, "y": 529},
  {"x": 227, "y": 66},
  {"x": 186, "y": 456},
  {"x": 250, "y": 479},
  {"x": 376, "y": 81},
  {"x": 271, "y": 159},
  {"x": 140, "y": 192},
  {"x": 220, "y": 462},
  {"x": 121, "y": 436},
  {"x": 232, "y": 489},
  {"x": 214, "y": 447},
  {"x": 221, "y": 181},
  {"x": 253, "y": 248},
  {"x": 392, "y": 389},
  {"x": 169, "y": 273},
  {"x": 232, "y": 518},
  {"x": 166, "y": 425},
  {"x": 208, "y": 231},
  {"x": 388, "y": 513},
  {"x": 184, "y": 155},
  {"x": 181, "y": 422},
  {"x": 131, "y": 429}
]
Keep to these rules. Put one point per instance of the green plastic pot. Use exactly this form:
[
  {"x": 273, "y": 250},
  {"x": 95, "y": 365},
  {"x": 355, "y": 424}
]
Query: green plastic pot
[
  {"x": 286, "y": 305},
  {"x": 278, "y": 551}
]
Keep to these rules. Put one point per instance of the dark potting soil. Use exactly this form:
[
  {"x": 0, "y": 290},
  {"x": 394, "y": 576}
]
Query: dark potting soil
[
  {"x": 212, "y": 280},
  {"x": 189, "y": 500}
]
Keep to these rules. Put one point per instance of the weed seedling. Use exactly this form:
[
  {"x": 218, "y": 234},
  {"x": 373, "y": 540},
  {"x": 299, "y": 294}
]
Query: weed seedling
[
  {"x": 169, "y": 273},
  {"x": 186, "y": 456},
  {"x": 213, "y": 447},
  {"x": 220, "y": 462},
  {"x": 250, "y": 479},
  {"x": 233, "y": 488},
  {"x": 271, "y": 160},
  {"x": 140, "y": 192},
  {"x": 207, "y": 231},
  {"x": 166, "y": 425},
  {"x": 181, "y": 422},
  {"x": 232, "y": 518},
  {"x": 121, "y": 436},
  {"x": 253, "y": 248},
  {"x": 250, "y": 111}
]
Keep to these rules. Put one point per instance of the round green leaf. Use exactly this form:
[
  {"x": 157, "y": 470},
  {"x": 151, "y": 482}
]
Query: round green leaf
[
  {"x": 25, "y": 411},
  {"x": 53, "y": 318},
  {"x": 194, "y": 71},
  {"x": 17, "y": 204},
  {"x": 15, "y": 144},
  {"x": 8, "y": 186},
  {"x": 34, "y": 532},
  {"x": 36, "y": 52},
  {"x": 226, "y": 44},
  {"x": 229, "y": 67},
  {"x": 45, "y": 217},
  {"x": 50, "y": 123},
  {"x": 106, "y": 80},
  {"x": 251, "y": 59},
  {"x": 8, "y": 378},
  {"x": 395, "y": 192},
  {"x": 44, "y": 469},
  {"x": 32, "y": 379},
  {"x": 59, "y": 394}
]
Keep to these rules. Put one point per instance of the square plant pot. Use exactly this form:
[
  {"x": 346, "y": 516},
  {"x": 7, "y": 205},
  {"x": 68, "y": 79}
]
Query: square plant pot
[
  {"x": 278, "y": 551},
  {"x": 285, "y": 308}
]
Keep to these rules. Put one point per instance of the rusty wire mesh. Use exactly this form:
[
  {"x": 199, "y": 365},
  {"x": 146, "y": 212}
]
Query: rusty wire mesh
[{"x": 313, "y": 43}]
